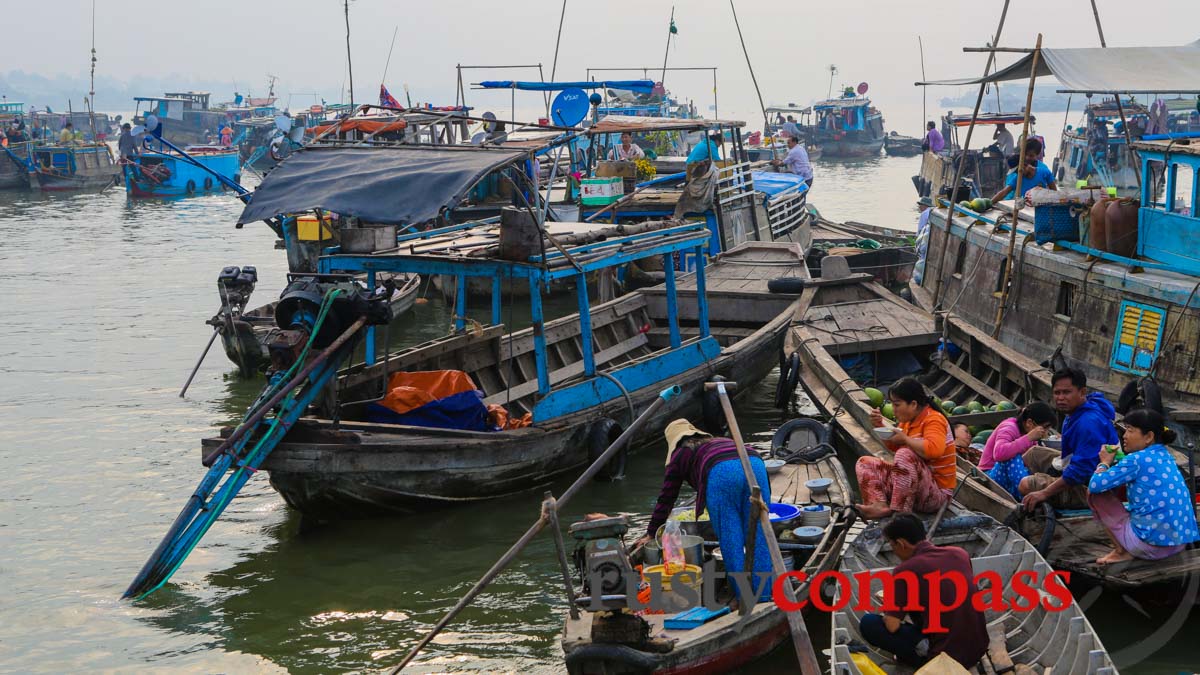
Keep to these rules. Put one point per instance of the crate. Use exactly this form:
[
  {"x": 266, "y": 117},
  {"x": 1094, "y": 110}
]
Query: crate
[
  {"x": 1055, "y": 222},
  {"x": 601, "y": 191},
  {"x": 308, "y": 228}
]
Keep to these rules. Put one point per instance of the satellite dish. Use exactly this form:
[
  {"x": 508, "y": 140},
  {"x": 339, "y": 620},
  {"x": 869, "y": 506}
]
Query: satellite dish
[
  {"x": 490, "y": 124},
  {"x": 137, "y": 130},
  {"x": 862, "y": 88},
  {"x": 570, "y": 107},
  {"x": 283, "y": 123},
  {"x": 151, "y": 123},
  {"x": 478, "y": 138}
]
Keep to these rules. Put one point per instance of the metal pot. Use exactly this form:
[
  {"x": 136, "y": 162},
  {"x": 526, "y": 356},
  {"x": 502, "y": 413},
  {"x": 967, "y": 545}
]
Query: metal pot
[{"x": 693, "y": 551}]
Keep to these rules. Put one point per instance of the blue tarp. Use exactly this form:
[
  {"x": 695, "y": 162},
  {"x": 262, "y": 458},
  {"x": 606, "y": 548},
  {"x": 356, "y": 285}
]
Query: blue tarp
[
  {"x": 464, "y": 410},
  {"x": 640, "y": 86},
  {"x": 775, "y": 183}
]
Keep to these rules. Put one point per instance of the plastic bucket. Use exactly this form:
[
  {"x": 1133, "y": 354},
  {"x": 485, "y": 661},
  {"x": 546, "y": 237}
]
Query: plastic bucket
[{"x": 692, "y": 578}]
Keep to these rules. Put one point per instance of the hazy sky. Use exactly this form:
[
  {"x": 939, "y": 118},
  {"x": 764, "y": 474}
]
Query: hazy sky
[{"x": 791, "y": 43}]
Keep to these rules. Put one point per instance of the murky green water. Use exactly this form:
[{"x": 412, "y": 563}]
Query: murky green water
[{"x": 105, "y": 302}]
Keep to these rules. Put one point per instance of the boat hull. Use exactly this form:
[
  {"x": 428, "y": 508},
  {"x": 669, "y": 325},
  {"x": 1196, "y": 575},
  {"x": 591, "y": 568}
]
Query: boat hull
[
  {"x": 183, "y": 179},
  {"x": 849, "y": 149}
]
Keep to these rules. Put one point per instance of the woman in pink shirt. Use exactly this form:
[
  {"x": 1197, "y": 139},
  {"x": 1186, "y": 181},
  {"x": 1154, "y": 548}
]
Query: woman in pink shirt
[{"x": 1002, "y": 456}]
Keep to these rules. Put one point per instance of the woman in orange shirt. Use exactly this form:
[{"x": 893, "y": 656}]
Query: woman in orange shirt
[{"x": 921, "y": 476}]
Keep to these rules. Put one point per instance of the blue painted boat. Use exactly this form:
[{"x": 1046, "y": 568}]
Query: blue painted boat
[{"x": 164, "y": 173}]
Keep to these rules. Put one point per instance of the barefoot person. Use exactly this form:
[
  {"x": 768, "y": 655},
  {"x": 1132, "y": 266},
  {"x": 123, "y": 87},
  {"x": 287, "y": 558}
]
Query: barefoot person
[
  {"x": 921, "y": 476},
  {"x": 1161, "y": 519},
  {"x": 1003, "y": 456},
  {"x": 1088, "y": 426}
]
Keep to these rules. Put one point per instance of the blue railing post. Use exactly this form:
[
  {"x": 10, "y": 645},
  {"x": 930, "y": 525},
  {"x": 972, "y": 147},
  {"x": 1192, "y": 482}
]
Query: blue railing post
[
  {"x": 585, "y": 326},
  {"x": 370, "y": 346},
  {"x": 460, "y": 301},
  {"x": 496, "y": 300},
  {"x": 539, "y": 332},
  {"x": 701, "y": 292},
  {"x": 672, "y": 300}
]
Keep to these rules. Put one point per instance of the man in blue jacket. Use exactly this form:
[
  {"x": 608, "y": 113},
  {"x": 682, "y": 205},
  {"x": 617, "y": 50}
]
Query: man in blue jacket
[{"x": 1088, "y": 426}]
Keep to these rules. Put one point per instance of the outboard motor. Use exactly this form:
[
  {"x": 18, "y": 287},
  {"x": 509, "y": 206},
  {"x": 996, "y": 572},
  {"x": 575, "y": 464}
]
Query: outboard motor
[
  {"x": 600, "y": 557},
  {"x": 235, "y": 285},
  {"x": 299, "y": 311}
]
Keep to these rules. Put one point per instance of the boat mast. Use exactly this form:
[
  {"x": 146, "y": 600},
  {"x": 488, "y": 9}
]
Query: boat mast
[
  {"x": 92, "y": 90},
  {"x": 1120, "y": 108},
  {"x": 349, "y": 64}
]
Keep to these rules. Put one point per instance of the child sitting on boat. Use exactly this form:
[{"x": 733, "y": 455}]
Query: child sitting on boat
[
  {"x": 921, "y": 476},
  {"x": 1161, "y": 518},
  {"x": 1002, "y": 458}
]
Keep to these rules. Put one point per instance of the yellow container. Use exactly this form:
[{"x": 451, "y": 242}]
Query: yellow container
[
  {"x": 693, "y": 572},
  {"x": 308, "y": 228}
]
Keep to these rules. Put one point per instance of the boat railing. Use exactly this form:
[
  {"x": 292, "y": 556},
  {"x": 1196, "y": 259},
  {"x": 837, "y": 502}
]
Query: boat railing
[
  {"x": 735, "y": 184},
  {"x": 540, "y": 271},
  {"x": 787, "y": 210}
]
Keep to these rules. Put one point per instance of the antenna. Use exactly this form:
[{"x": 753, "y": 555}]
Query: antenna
[
  {"x": 271, "y": 85},
  {"x": 832, "y": 71},
  {"x": 349, "y": 64},
  {"x": 92, "y": 90}
]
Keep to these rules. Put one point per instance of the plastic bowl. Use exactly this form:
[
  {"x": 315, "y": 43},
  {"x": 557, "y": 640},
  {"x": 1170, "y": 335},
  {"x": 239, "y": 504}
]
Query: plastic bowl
[
  {"x": 774, "y": 465},
  {"x": 809, "y": 534},
  {"x": 781, "y": 513},
  {"x": 818, "y": 486},
  {"x": 884, "y": 433}
]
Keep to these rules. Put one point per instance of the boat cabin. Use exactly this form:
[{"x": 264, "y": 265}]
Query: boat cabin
[
  {"x": 1168, "y": 224},
  {"x": 1096, "y": 151}
]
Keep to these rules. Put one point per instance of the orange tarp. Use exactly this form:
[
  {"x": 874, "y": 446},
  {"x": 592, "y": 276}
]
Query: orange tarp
[
  {"x": 364, "y": 125},
  {"x": 409, "y": 391}
]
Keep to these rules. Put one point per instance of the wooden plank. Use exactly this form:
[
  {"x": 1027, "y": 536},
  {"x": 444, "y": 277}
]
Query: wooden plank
[
  {"x": 973, "y": 382},
  {"x": 998, "y": 648},
  {"x": 361, "y": 373}
]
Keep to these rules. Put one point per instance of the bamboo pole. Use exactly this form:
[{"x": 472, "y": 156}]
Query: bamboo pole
[
  {"x": 962, "y": 160},
  {"x": 924, "y": 117},
  {"x": 349, "y": 64},
  {"x": 800, "y": 638},
  {"x": 1120, "y": 108},
  {"x": 1018, "y": 200},
  {"x": 667, "y": 51}
]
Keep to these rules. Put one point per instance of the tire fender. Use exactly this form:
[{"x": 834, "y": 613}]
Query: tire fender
[
  {"x": 1139, "y": 393},
  {"x": 190, "y": 188},
  {"x": 208, "y": 183},
  {"x": 600, "y": 436},
  {"x": 789, "y": 377}
]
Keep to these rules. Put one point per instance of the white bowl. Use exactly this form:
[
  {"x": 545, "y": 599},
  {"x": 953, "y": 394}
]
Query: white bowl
[
  {"x": 774, "y": 465},
  {"x": 884, "y": 433}
]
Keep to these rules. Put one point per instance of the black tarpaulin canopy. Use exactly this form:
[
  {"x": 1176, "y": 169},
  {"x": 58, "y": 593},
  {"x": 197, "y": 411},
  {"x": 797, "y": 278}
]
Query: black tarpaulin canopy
[
  {"x": 1115, "y": 70},
  {"x": 392, "y": 185}
]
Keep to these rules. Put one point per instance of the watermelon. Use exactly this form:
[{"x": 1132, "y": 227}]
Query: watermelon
[
  {"x": 1006, "y": 405},
  {"x": 961, "y": 410},
  {"x": 888, "y": 411},
  {"x": 979, "y": 439},
  {"x": 975, "y": 407},
  {"x": 947, "y": 406},
  {"x": 875, "y": 396}
]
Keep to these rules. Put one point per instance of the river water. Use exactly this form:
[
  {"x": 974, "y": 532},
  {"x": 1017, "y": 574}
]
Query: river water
[{"x": 106, "y": 301}]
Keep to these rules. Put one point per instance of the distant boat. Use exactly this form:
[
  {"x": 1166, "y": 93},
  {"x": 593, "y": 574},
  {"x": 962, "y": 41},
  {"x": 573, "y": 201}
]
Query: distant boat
[
  {"x": 848, "y": 126},
  {"x": 896, "y": 145},
  {"x": 66, "y": 167},
  {"x": 166, "y": 174}
]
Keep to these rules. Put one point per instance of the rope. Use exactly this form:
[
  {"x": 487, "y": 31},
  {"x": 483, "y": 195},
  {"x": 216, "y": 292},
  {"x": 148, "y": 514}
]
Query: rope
[{"x": 1174, "y": 329}]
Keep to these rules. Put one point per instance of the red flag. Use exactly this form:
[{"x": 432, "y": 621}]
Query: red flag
[{"x": 386, "y": 99}]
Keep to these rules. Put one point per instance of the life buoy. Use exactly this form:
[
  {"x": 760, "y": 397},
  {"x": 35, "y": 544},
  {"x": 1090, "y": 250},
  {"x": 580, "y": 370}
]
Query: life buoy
[
  {"x": 600, "y": 436},
  {"x": 208, "y": 183},
  {"x": 789, "y": 377},
  {"x": 712, "y": 415},
  {"x": 1140, "y": 393},
  {"x": 190, "y": 188}
]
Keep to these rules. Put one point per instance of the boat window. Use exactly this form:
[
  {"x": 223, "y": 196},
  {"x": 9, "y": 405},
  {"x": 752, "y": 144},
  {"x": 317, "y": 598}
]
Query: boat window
[
  {"x": 1066, "y": 299},
  {"x": 1138, "y": 337},
  {"x": 960, "y": 259},
  {"x": 1185, "y": 188},
  {"x": 1000, "y": 275},
  {"x": 1157, "y": 180}
]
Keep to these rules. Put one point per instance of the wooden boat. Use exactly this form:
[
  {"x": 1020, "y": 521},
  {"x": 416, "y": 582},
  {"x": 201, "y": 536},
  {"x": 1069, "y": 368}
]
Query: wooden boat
[
  {"x": 669, "y": 334},
  {"x": 245, "y": 334},
  {"x": 860, "y": 320},
  {"x": 14, "y": 166},
  {"x": 891, "y": 262},
  {"x": 846, "y": 127},
  {"x": 730, "y": 641},
  {"x": 1041, "y": 640},
  {"x": 896, "y": 145},
  {"x": 61, "y": 168}
]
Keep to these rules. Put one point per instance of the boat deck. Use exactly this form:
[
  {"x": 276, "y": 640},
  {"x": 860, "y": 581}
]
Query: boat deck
[
  {"x": 756, "y": 264},
  {"x": 875, "y": 324}
]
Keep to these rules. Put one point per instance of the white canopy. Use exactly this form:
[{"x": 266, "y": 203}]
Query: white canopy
[{"x": 1115, "y": 70}]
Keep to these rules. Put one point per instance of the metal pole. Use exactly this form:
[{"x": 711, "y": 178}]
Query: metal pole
[
  {"x": 921, "y": 46},
  {"x": 1120, "y": 107},
  {"x": 667, "y": 51},
  {"x": 762, "y": 106},
  {"x": 962, "y": 161},
  {"x": 716, "y": 109},
  {"x": 1017, "y": 199},
  {"x": 550, "y": 511},
  {"x": 557, "y": 40},
  {"x": 349, "y": 64},
  {"x": 216, "y": 331}
]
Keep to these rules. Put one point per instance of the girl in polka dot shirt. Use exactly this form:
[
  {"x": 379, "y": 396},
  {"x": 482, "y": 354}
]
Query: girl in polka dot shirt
[{"x": 1161, "y": 518}]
